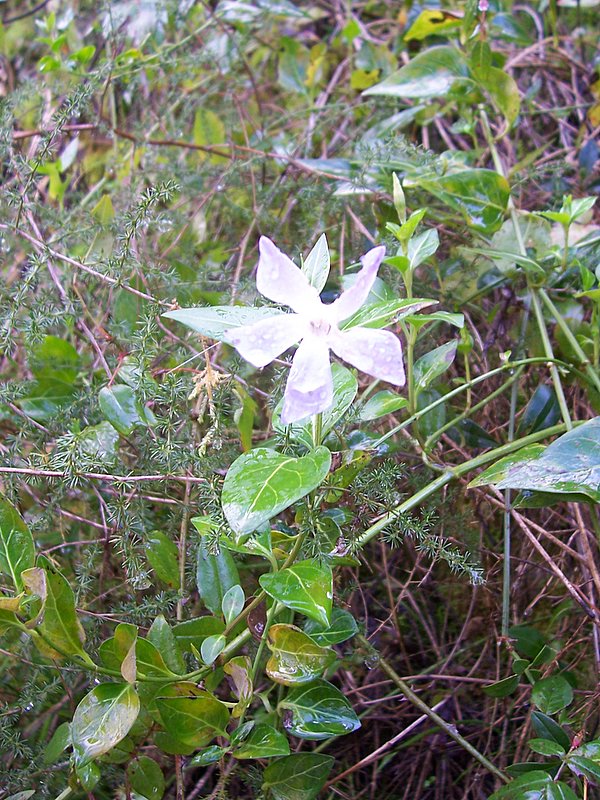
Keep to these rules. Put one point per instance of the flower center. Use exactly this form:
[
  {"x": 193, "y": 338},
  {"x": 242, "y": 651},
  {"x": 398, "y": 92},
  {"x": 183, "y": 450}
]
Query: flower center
[{"x": 320, "y": 327}]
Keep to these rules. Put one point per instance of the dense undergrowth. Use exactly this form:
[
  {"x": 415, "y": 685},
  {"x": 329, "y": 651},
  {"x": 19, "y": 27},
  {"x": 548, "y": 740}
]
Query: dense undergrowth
[{"x": 166, "y": 619}]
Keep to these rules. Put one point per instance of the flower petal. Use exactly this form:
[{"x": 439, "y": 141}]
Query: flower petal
[
  {"x": 378, "y": 353},
  {"x": 309, "y": 388},
  {"x": 263, "y": 341},
  {"x": 353, "y": 298},
  {"x": 279, "y": 279}
]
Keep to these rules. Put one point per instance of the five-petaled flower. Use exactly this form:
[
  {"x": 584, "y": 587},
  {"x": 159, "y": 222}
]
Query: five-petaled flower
[{"x": 309, "y": 388}]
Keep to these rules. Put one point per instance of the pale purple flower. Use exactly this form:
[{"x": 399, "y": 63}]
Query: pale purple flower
[{"x": 309, "y": 388}]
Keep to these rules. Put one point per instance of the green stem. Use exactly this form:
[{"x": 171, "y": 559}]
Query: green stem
[
  {"x": 449, "y": 729},
  {"x": 560, "y": 395},
  {"x": 572, "y": 339},
  {"x": 452, "y": 473},
  {"x": 65, "y": 793},
  {"x": 317, "y": 428}
]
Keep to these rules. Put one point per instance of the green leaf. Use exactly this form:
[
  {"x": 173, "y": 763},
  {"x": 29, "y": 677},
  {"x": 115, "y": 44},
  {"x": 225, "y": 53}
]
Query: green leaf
[
  {"x": 295, "y": 657},
  {"x": 233, "y": 602},
  {"x": 25, "y": 795},
  {"x": 264, "y": 741},
  {"x": 17, "y": 548},
  {"x": 211, "y": 648},
  {"x": 57, "y": 621},
  {"x": 571, "y": 464},
  {"x": 433, "y": 364},
  {"x": 300, "y": 776},
  {"x": 502, "y": 688},
  {"x": 541, "y": 412},
  {"x": 261, "y": 483},
  {"x": 208, "y": 756},
  {"x": 431, "y": 73},
  {"x": 422, "y": 247},
  {"x": 381, "y": 314},
  {"x": 480, "y": 195},
  {"x": 433, "y": 22},
  {"x": 306, "y": 587},
  {"x": 503, "y": 90},
  {"x": 194, "y": 720},
  {"x": 345, "y": 387},
  {"x": 161, "y": 635},
  {"x": 239, "y": 670},
  {"x": 146, "y": 778},
  {"x": 122, "y": 409},
  {"x": 215, "y": 321},
  {"x": 102, "y": 719},
  {"x": 103, "y": 211},
  {"x": 552, "y": 694},
  {"x": 535, "y": 785},
  {"x": 382, "y": 403},
  {"x": 55, "y": 361},
  {"x": 546, "y": 747},
  {"x": 216, "y": 573},
  {"x": 547, "y": 728},
  {"x": 585, "y": 767},
  {"x": 61, "y": 739},
  {"x": 499, "y": 470},
  {"x": 194, "y": 631},
  {"x": 317, "y": 264},
  {"x": 163, "y": 556},
  {"x": 343, "y": 627},
  {"x": 318, "y": 711}
]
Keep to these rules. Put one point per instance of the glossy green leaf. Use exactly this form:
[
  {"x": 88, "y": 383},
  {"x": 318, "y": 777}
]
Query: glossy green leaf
[
  {"x": 17, "y": 549},
  {"x": 541, "y": 412},
  {"x": 470, "y": 434},
  {"x": 382, "y": 403},
  {"x": 306, "y": 587},
  {"x": 194, "y": 631},
  {"x": 433, "y": 364},
  {"x": 295, "y": 657},
  {"x": 88, "y": 775},
  {"x": 149, "y": 660},
  {"x": 503, "y": 90},
  {"x": 122, "y": 409},
  {"x": 146, "y": 778},
  {"x": 387, "y": 312},
  {"x": 546, "y": 747},
  {"x": 102, "y": 719},
  {"x": 422, "y": 247},
  {"x": 431, "y": 73},
  {"x": 584, "y": 767},
  {"x": 163, "y": 555},
  {"x": 300, "y": 776},
  {"x": 239, "y": 669},
  {"x": 233, "y": 603},
  {"x": 161, "y": 635},
  {"x": 343, "y": 626},
  {"x": 194, "y": 720},
  {"x": 216, "y": 573},
  {"x": 318, "y": 711},
  {"x": 215, "y": 321},
  {"x": 502, "y": 688},
  {"x": 571, "y": 464},
  {"x": 546, "y": 728},
  {"x": 211, "y": 648},
  {"x": 317, "y": 264},
  {"x": 552, "y": 694},
  {"x": 61, "y": 633},
  {"x": 55, "y": 361},
  {"x": 261, "y": 483},
  {"x": 420, "y": 320},
  {"x": 61, "y": 739},
  {"x": 535, "y": 785},
  {"x": 99, "y": 441},
  {"x": 264, "y": 741},
  {"x": 345, "y": 387},
  {"x": 433, "y": 22},
  {"x": 480, "y": 195}
]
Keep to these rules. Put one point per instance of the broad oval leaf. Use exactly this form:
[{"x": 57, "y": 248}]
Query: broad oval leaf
[
  {"x": 261, "y": 483},
  {"x": 433, "y": 364},
  {"x": 216, "y": 573},
  {"x": 17, "y": 549},
  {"x": 163, "y": 556},
  {"x": 300, "y": 776},
  {"x": 295, "y": 657},
  {"x": 264, "y": 741},
  {"x": 122, "y": 409},
  {"x": 193, "y": 720},
  {"x": 552, "y": 694},
  {"x": 194, "y": 631},
  {"x": 570, "y": 465},
  {"x": 431, "y": 73},
  {"x": 215, "y": 321},
  {"x": 146, "y": 778},
  {"x": 318, "y": 711},
  {"x": 102, "y": 719},
  {"x": 382, "y": 403},
  {"x": 233, "y": 602},
  {"x": 541, "y": 412},
  {"x": 306, "y": 587},
  {"x": 343, "y": 626},
  {"x": 535, "y": 785}
]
